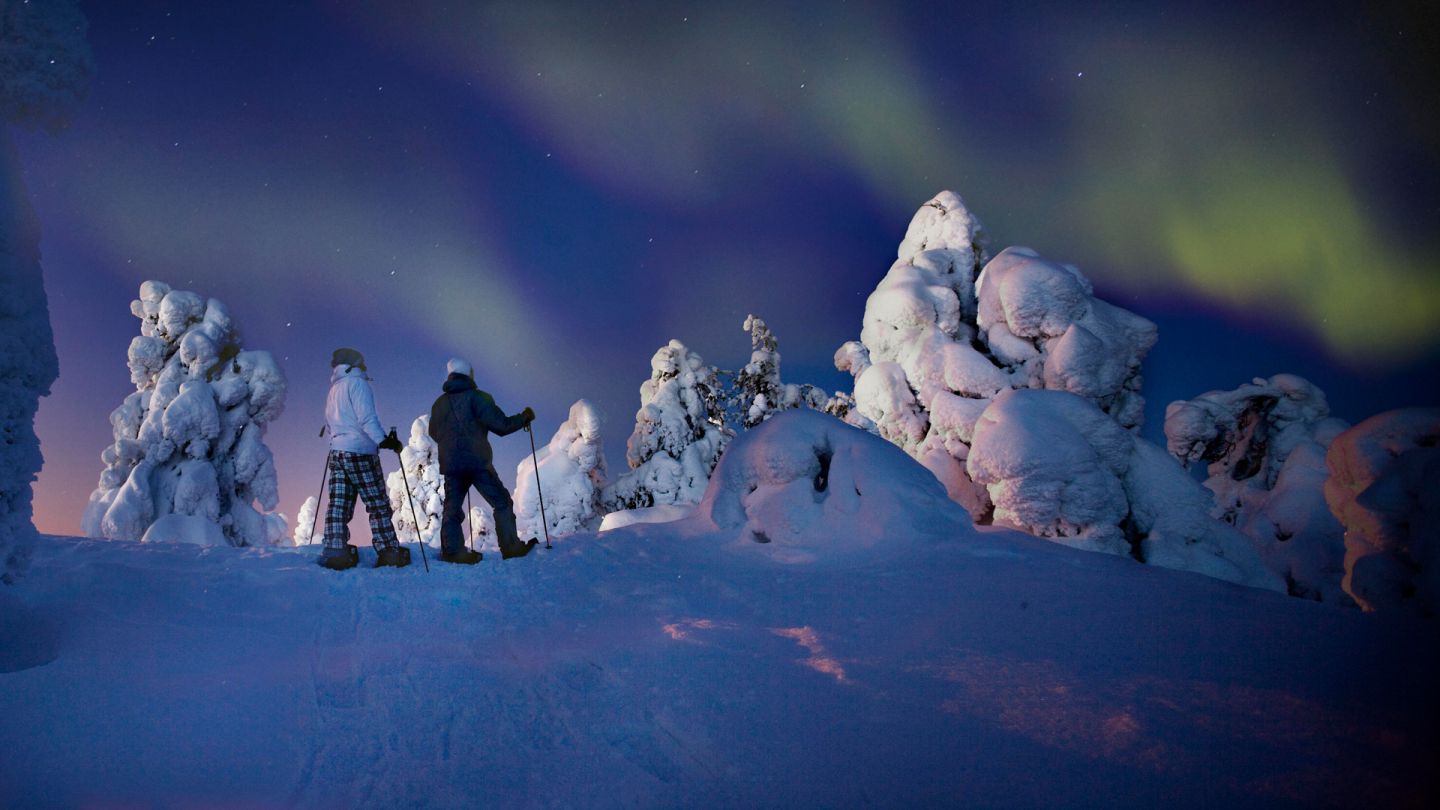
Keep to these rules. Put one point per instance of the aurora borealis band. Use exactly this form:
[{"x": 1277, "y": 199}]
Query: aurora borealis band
[{"x": 555, "y": 190}]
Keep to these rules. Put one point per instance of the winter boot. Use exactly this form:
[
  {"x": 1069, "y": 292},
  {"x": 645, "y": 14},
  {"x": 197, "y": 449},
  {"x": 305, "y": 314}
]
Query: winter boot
[
  {"x": 338, "y": 559},
  {"x": 518, "y": 550},
  {"x": 398, "y": 556},
  {"x": 464, "y": 556}
]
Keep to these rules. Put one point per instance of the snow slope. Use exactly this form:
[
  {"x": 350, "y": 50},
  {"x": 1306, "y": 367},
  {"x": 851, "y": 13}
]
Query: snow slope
[{"x": 685, "y": 664}]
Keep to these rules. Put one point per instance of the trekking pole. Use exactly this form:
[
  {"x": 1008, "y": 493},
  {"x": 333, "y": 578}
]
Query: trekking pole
[
  {"x": 535, "y": 462},
  {"x": 315, "y": 517},
  {"x": 410, "y": 499},
  {"x": 470, "y": 521}
]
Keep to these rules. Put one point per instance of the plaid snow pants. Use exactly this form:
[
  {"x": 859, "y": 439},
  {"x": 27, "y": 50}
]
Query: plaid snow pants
[{"x": 353, "y": 474}]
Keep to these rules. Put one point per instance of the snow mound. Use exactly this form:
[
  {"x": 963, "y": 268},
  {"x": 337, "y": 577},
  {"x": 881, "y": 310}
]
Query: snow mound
[
  {"x": 1265, "y": 445},
  {"x": 572, "y": 473},
  {"x": 804, "y": 485},
  {"x": 173, "y": 528},
  {"x": 1384, "y": 486},
  {"x": 652, "y": 514},
  {"x": 189, "y": 441},
  {"x": 1057, "y": 467}
]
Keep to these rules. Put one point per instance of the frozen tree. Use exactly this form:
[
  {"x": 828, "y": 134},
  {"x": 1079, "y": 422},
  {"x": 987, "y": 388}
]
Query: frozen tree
[
  {"x": 1056, "y": 466},
  {"x": 45, "y": 68},
  {"x": 758, "y": 392},
  {"x": 305, "y": 522},
  {"x": 679, "y": 433},
  {"x": 572, "y": 476},
  {"x": 420, "y": 470},
  {"x": 1264, "y": 444},
  {"x": 946, "y": 331},
  {"x": 190, "y": 440},
  {"x": 1384, "y": 487}
]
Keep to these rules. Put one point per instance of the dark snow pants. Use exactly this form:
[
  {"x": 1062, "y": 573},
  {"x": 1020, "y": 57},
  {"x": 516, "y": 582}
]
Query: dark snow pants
[
  {"x": 353, "y": 474},
  {"x": 488, "y": 484}
]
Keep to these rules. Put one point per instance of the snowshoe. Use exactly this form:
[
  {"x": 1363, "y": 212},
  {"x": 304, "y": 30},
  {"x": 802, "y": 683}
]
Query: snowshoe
[
  {"x": 518, "y": 550},
  {"x": 464, "y": 556},
  {"x": 398, "y": 556},
  {"x": 338, "y": 559}
]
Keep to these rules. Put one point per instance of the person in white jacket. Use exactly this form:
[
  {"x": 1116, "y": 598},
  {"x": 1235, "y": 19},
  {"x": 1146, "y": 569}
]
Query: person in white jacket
[{"x": 356, "y": 439}]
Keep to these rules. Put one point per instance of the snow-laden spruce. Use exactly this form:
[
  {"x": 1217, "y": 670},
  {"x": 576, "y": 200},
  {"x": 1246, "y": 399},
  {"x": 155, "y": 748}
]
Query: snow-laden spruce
[
  {"x": 678, "y": 437},
  {"x": 420, "y": 471},
  {"x": 190, "y": 440},
  {"x": 1384, "y": 486},
  {"x": 45, "y": 68},
  {"x": 758, "y": 391},
  {"x": 1264, "y": 444},
  {"x": 1054, "y": 465},
  {"x": 572, "y": 476},
  {"x": 948, "y": 329}
]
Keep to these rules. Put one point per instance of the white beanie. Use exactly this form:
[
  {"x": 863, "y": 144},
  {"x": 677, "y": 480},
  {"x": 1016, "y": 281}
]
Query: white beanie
[{"x": 458, "y": 366}]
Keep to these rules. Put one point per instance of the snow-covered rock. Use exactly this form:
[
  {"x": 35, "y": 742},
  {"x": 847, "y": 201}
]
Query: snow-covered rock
[
  {"x": 806, "y": 487},
  {"x": 948, "y": 329},
  {"x": 1055, "y": 466},
  {"x": 1265, "y": 445},
  {"x": 175, "y": 528},
  {"x": 1384, "y": 487},
  {"x": 572, "y": 475},
  {"x": 420, "y": 471},
  {"x": 45, "y": 68},
  {"x": 679, "y": 434},
  {"x": 190, "y": 440}
]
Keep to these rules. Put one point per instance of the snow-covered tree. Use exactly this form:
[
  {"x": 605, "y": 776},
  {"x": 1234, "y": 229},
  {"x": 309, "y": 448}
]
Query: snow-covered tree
[
  {"x": 946, "y": 331},
  {"x": 572, "y": 476},
  {"x": 45, "y": 68},
  {"x": 1265, "y": 446},
  {"x": 1056, "y": 466},
  {"x": 758, "y": 391},
  {"x": 420, "y": 468},
  {"x": 190, "y": 440},
  {"x": 1384, "y": 487},
  {"x": 679, "y": 433},
  {"x": 305, "y": 522}
]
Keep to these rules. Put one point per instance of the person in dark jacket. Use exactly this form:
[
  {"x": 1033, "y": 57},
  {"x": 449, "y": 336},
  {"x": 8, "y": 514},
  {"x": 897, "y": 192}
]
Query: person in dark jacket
[{"x": 460, "y": 423}]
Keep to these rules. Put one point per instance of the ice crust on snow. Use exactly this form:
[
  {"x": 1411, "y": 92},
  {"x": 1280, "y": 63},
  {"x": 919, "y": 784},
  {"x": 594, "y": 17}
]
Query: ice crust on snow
[
  {"x": 678, "y": 437},
  {"x": 1384, "y": 487},
  {"x": 190, "y": 440},
  {"x": 1264, "y": 444},
  {"x": 949, "y": 328},
  {"x": 572, "y": 476},
  {"x": 806, "y": 487},
  {"x": 1056, "y": 466}
]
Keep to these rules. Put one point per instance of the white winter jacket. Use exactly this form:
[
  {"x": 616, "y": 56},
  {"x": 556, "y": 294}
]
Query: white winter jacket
[{"x": 350, "y": 412}]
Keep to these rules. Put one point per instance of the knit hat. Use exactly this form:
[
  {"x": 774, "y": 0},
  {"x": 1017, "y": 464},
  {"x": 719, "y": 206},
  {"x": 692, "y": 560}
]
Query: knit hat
[
  {"x": 347, "y": 357},
  {"x": 458, "y": 366}
]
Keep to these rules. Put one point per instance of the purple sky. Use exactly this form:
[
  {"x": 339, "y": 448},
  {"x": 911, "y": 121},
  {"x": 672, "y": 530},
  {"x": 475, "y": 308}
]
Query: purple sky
[{"x": 555, "y": 191}]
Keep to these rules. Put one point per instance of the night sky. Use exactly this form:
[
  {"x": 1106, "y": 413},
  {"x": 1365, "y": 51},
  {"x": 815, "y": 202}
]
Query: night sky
[{"x": 555, "y": 191}]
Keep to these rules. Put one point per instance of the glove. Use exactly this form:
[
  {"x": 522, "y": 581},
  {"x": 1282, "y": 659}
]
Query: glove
[
  {"x": 528, "y": 415},
  {"x": 392, "y": 442}
]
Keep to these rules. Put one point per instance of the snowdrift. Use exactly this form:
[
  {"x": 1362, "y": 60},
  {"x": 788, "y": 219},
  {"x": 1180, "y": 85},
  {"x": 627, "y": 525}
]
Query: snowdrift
[
  {"x": 655, "y": 667},
  {"x": 806, "y": 486}
]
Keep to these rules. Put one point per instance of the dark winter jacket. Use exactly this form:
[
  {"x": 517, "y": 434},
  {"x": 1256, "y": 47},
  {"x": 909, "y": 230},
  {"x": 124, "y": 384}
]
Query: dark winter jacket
[{"x": 460, "y": 421}]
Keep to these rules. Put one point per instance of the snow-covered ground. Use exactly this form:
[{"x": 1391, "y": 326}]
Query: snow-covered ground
[{"x": 684, "y": 664}]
